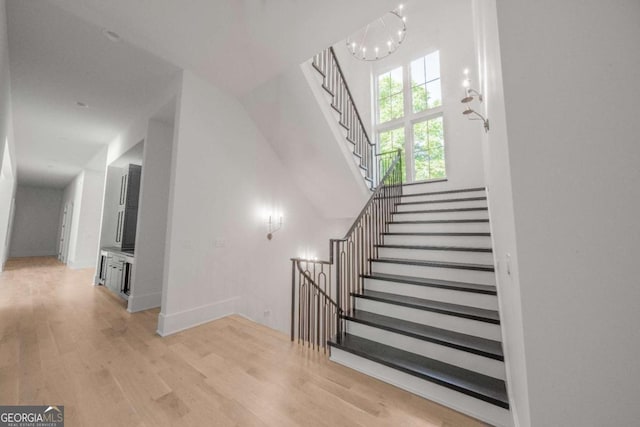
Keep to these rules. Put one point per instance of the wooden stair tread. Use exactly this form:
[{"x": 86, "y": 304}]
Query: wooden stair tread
[
  {"x": 469, "y": 343},
  {"x": 452, "y": 234},
  {"x": 442, "y": 210},
  {"x": 435, "y": 248},
  {"x": 434, "y": 283},
  {"x": 425, "y": 202},
  {"x": 483, "y": 387},
  {"x": 442, "y": 264},
  {"x": 434, "y": 193},
  {"x": 441, "y": 221},
  {"x": 467, "y": 312}
]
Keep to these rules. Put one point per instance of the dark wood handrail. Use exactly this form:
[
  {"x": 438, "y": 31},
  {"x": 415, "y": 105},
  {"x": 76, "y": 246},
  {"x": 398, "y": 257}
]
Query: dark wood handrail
[
  {"x": 365, "y": 233},
  {"x": 346, "y": 86}
]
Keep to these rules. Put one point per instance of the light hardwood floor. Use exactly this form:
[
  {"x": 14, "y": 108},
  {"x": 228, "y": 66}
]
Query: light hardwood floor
[{"x": 63, "y": 341}]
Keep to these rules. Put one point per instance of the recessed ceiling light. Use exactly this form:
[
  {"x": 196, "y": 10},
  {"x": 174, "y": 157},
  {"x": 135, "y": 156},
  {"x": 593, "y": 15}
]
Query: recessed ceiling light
[
  {"x": 82, "y": 104},
  {"x": 111, "y": 35}
]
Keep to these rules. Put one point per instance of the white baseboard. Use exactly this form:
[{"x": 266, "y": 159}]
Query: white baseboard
[
  {"x": 144, "y": 302},
  {"x": 175, "y": 322}
]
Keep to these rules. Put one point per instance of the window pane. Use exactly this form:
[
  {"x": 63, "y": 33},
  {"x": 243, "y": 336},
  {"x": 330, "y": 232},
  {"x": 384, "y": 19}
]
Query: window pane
[
  {"x": 397, "y": 106},
  {"x": 390, "y": 97},
  {"x": 384, "y": 110},
  {"x": 417, "y": 72},
  {"x": 384, "y": 85},
  {"x": 425, "y": 82},
  {"x": 396, "y": 80},
  {"x": 433, "y": 66},
  {"x": 419, "y": 98},
  {"x": 434, "y": 94},
  {"x": 428, "y": 150},
  {"x": 393, "y": 140}
]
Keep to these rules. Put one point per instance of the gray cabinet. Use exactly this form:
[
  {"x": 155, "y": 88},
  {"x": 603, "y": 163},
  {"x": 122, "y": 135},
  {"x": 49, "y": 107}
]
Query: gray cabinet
[
  {"x": 117, "y": 272},
  {"x": 127, "y": 215}
]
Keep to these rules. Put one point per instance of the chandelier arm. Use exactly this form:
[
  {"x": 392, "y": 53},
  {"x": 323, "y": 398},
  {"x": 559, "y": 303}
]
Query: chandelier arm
[
  {"x": 359, "y": 51},
  {"x": 389, "y": 46}
]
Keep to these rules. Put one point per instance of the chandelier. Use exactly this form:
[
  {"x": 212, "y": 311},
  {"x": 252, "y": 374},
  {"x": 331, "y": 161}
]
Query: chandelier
[{"x": 380, "y": 38}]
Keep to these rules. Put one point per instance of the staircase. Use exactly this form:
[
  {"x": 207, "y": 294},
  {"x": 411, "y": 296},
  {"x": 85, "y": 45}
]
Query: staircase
[
  {"x": 339, "y": 98},
  {"x": 408, "y": 295},
  {"x": 427, "y": 317}
]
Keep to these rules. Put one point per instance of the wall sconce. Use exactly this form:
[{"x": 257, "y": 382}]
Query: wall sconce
[
  {"x": 273, "y": 226},
  {"x": 470, "y": 95},
  {"x": 469, "y": 110}
]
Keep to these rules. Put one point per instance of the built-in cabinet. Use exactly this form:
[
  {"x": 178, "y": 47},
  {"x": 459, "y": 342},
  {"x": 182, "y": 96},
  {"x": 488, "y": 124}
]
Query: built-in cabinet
[
  {"x": 117, "y": 256},
  {"x": 115, "y": 271},
  {"x": 127, "y": 214}
]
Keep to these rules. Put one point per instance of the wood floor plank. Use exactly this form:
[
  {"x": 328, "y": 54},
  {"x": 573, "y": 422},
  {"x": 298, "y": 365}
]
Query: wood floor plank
[{"x": 64, "y": 341}]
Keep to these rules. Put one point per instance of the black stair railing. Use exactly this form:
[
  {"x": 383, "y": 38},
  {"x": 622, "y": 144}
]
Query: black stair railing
[
  {"x": 334, "y": 83},
  {"x": 322, "y": 291}
]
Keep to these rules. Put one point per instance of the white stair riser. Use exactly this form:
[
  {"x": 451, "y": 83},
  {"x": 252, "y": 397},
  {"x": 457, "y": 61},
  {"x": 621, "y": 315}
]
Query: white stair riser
[
  {"x": 437, "y": 320},
  {"x": 438, "y": 255},
  {"x": 447, "y": 227},
  {"x": 461, "y": 241},
  {"x": 431, "y": 216},
  {"x": 445, "y": 196},
  {"x": 442, "y": 205},
  {"x": 473, "y": 362},
  {"x": 429, "y": 187},
  {"x": 454, "y": 274},
  {"x": 458, "y": 401},
  {"x": 471, "y": 299}
]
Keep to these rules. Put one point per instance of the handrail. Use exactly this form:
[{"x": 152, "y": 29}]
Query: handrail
[
  {"x": 346, "y": 86},
  {"x": 357, "y": 138},
  {"x": 323, "y": 293},
  {"x": 318, "y": 313},
  {"x": 378, "y": 190},
  {"x": 351, "y": 256}
]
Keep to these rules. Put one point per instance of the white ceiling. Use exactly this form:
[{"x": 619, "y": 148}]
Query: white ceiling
[
  {"x": 234, "y": 44},
  {"x": 57, "y": 59},
  {"x": 59, "y": 55}
]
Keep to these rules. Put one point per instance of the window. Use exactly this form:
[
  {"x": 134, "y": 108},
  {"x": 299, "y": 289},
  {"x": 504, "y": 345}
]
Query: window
[
  {"x": 390, "y": 96},
  {"x": 428, "y": 149},
  {"x": 392, "y": 140},
  {"x": 409, "y": 117},
  {"x": 425, "y": 82}
]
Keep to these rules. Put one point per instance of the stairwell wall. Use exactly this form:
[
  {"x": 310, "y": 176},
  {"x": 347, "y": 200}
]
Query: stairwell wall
[
  {"x": 8, "y": 181},
  {"x": 573, "y": 155},
  {"x": 500, "y": 200},
  {"x": 298, "y": 126},
  {"x": 35, "y": 228},
  {"x": 225, "y": 181}
]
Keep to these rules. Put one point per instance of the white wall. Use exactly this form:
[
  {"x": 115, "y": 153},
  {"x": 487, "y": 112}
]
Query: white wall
[
  {"x": 7, "y": 163},
  {"x": 85, "y": 192},
  {"x": 571, "y": 72},
  {"x": 225, "y": 179},
  {"x": 35, "y": 227},
  {"x": 498, "y": 181},
  {"x": 310, "y": 146},
  {"x": 446, "y": 26},
  {"x": 72, "y": 199},
  {"x": 86, "y": 248},
  {"x": 146, "y": 291}
]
